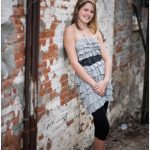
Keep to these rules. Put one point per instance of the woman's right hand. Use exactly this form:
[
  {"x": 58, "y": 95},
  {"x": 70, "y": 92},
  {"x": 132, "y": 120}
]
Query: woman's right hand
[{"x": 100, "y": 87}]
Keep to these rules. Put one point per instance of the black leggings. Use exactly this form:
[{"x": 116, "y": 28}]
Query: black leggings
[{"x": 101, "y": 122}]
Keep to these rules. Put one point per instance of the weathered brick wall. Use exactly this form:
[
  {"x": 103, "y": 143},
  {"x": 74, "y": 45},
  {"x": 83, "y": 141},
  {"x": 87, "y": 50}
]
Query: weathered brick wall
[
  {"x": 62, "y": 123},
  {"x": 59, "y": 124},
  {"x": 128, "y": 63},
  {"x": 12, "y": 74}
]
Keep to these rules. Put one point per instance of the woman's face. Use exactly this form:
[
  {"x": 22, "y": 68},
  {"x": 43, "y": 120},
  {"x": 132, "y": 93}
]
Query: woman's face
[{"x": 86, "y": 13}]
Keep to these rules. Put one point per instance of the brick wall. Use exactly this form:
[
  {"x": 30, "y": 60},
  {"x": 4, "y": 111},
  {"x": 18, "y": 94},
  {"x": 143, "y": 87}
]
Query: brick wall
[
  {"x": 12, "y": 69},
  {"x": 128, "y": 63},
  {"x": 62, "y": 123},
  {"x": 59, "y": 108}
]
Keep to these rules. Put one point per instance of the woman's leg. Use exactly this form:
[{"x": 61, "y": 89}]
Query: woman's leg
[
  {"x": 99, "y": 144},
  {"x": 106, "y": 106},
  {"x": 101, "y": 128}
]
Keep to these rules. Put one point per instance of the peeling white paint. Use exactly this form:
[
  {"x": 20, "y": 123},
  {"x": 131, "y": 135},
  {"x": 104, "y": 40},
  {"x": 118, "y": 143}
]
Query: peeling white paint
[
  {"x": 18, "y": 36},
  {"x": 56, "y": 87},
  {"x": 56, "y": 10},
  {"x": 42, "y": 78},
  {"x": 16, "y": 107},
  {"x": 6, "y": 12},
  {"x": 58, "y": 69},
  {"x": 53, "y": 105},
  {"x": 48, "y": 3},
  {"x": 19, "y": 78},
  {"x": 45, "y": 48},
  {"x": 43, "y": 4},
  {"x": 48, "y": 63},
  {"x": 23, "y": 22},
  {"x": 48, "y": 17},
  {"x": 57, "y": 130},
  {"x": 3, "y": 128},
  {"x": 50, "y": 75},
  {"x": 58, "y": 39}
]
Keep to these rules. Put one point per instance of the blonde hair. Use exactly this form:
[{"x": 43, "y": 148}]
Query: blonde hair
[{"x": 92, "y": 25}]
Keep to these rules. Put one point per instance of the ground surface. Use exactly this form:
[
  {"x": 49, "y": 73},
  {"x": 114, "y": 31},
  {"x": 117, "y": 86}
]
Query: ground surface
[{"x": 128, "y": 136}]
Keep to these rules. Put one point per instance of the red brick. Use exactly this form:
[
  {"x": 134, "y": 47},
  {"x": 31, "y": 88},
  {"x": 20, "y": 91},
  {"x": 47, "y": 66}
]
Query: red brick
[
  {"x": 42, "y": 92},
  {"x": 73, "y": 94},
  {"x": 14, "y": 72},
  {"x": 11, "y": 142},
  {"x": 118, "y": 49},
  {"x": 7, "y": 137},
  {"x": 20, "y": 63},
  {"x": 63, "y": 78},
  {"x": 52, "y": 2},
  {"x": 41, "y": 137},
  {"x": 19, "y": 46},
  {"x": 16, "y": 20},
  {"x": 53, "y": 47},
  {"x": 14, "y": 91},
  {"x": 53, "y": 54},
  {"x": 40, "y": 112},
  {"x": 47, "y": 84},
  {"x": 19, "y": 54},
  {"x": 20, "y": 37},
  {"x": 53, "y": 94},
  {"x": 49, "y": 90},
  {"x": 54, "y": 26},
  {"x": 42, "y": 41},
  {"x": 47, "y": 34},
  {"x": 46, "y": 70},
  {"x": 6, "y": 83},
  {"x": 18, "y": 10},
  {"x": 64, "y": 88},
  {"x": 64, "y": 82},
  {"x": 19, "y": 28},
  {"x": 46, "y": 55},
  {"x": 43, "y": 64},
  {"x": 46, "y": 77},
  {"x": 64, "y": 97},
  {"x": 15, "y": 121}
]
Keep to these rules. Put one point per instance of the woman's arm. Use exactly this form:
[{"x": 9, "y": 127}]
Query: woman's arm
[
  {"x": 69, "y": 44},
  {"x": 101, "y": 86},
  {"x": 106, "y": 58}
]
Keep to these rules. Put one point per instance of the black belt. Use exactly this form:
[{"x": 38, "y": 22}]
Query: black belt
[{"x": 91, "y": 60}]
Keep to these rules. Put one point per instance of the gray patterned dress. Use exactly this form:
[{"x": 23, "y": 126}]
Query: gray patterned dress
[{"x": 85, "y": 48}]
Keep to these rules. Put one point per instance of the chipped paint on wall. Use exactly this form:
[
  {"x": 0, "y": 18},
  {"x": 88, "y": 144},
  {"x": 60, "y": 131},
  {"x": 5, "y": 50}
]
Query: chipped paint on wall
[
  {"x": 45, "y": 48},
  {"x": 65, "y": 137},
  {"x": 19, "y": 78}
]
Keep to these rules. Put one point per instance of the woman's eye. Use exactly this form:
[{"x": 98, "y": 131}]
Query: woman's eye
[
  {"x": 85, "y": 9},
  {"x": 92, "y": 12}
]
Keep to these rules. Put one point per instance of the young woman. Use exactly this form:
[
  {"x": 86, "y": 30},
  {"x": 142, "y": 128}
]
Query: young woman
[{"x": 92, "y": 64}]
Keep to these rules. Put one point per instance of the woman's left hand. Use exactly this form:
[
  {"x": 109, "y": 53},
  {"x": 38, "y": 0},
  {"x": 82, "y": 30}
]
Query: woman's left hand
[{"x": 100, "y": 87}]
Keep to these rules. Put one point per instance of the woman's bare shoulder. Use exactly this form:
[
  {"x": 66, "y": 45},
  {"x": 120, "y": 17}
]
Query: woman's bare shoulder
[
  {"x": 70, "y": 29},
  {"x": 99, "y": 35}
]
